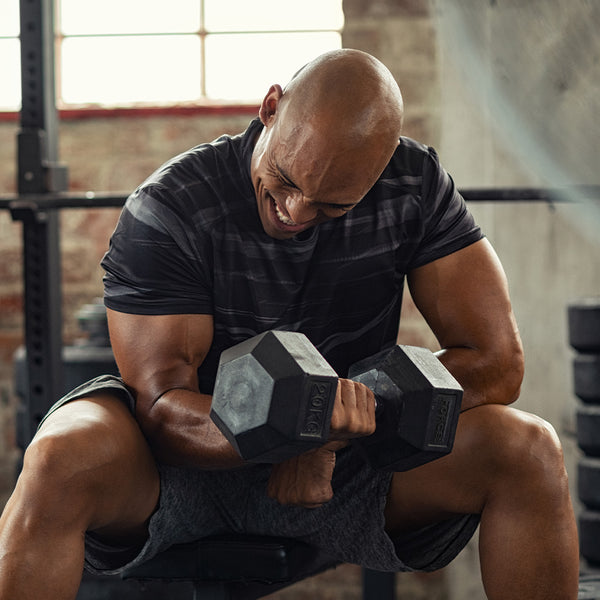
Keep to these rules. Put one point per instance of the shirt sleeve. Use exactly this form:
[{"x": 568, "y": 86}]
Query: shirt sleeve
[
  {"x": 448, "y": 225},
  {"x": 156, "y": 262}
]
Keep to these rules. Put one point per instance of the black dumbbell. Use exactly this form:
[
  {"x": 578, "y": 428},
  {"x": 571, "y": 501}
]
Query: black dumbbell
[
  {"x": 274, "y": 396},
  {"x": 418, "y": 405}
]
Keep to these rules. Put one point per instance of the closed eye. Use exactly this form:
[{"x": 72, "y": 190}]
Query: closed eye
[{"x": 285, "y": 179}]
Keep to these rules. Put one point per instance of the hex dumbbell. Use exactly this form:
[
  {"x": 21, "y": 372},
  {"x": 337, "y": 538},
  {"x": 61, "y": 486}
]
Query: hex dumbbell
[
  {"x": 274, "y": 396},
  {"x": 418, "y": 405}
]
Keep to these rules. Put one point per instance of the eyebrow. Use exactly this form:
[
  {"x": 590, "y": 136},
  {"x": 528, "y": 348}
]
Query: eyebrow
[{"x": 288, "y": 181}]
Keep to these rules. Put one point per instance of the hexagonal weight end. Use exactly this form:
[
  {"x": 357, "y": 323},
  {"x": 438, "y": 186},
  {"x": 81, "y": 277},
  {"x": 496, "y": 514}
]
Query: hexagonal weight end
[
  {"x": 273, "y": 396},
  {"x": 420, "y": 404}
]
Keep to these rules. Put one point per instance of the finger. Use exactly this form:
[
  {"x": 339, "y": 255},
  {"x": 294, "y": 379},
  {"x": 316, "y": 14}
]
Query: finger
[
  {"x": 295, "y": 483},
  {"x": 368, "y": 401},
  {"x": 354, "y": 416},
  {"x": 344, "y": 409}
]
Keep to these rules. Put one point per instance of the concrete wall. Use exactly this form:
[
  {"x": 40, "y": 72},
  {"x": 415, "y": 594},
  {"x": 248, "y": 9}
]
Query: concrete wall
[
  {"x": 506, "y": 91},
  {"x": 521, "y": 87}
]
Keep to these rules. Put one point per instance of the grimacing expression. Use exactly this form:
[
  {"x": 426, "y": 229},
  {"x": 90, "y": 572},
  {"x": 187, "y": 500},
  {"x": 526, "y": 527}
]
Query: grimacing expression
[
  {"x": 303, "y": 183},
  {"x": 322, "y": 148}
]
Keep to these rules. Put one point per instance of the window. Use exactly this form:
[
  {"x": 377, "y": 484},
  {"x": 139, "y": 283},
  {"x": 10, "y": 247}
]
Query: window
[
  {"x": 10, "y": 56},
  {"x": 162, "y": 52}
]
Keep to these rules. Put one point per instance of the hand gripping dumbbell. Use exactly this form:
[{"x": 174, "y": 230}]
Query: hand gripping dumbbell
[{"x": 274, "y": 395}]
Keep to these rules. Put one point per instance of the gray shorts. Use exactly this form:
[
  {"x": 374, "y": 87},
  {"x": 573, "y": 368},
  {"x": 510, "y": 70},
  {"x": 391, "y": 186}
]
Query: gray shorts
[{"x": 350, "y": 528}]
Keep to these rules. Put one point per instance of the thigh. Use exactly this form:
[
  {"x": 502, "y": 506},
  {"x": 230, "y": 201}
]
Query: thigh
[
  {"x": 489, "y": 442},
  {"x": 91, "y": 451}
]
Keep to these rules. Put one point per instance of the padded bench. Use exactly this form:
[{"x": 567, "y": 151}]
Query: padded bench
[
  {"x": 229, "y": 566},
  {"x": 247, "y": 567}
]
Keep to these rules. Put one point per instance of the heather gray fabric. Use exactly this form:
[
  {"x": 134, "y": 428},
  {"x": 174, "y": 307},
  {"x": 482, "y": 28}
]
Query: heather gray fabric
[{"x": 349, "y": 528}]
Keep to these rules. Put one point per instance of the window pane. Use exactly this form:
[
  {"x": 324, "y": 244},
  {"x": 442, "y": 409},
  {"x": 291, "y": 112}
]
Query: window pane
[
  {"x": 244, "y": 66},
  {"x": 270, "y": 15},
  {"x": 9, "y": 17},
  {"x": 10, "y": 75},
  {"x": 122, "y": 70},
  {"x": 129, "y": 16}
]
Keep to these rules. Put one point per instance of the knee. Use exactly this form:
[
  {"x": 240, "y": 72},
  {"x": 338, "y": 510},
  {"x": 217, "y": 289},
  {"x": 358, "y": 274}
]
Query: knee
[
  {"x": 59, "y": 461},
  {"x": 526, "y": 448},
  {"x": 73, "y": 450},
  {"x": 88, "y": 467},
  {"x": 539, "y": 448}
]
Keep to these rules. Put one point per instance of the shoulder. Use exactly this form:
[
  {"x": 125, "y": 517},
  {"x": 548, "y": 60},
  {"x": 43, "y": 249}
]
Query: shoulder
[
  {"x": 208, "y": 178},
  {"x": 413, "y": 157},
  {"x": 211, "y": 163},
  {"x": 415, "y": 169},
  {"x": 404, "y": 176}
]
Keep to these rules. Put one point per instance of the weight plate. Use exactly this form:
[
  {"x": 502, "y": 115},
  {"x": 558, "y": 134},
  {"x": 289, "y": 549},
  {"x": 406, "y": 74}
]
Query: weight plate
[
  {"x": 589, "y": 536},
  {"x": 584, "y": 324},
  {"x": 586, "y": 377},
  {"x": 588, "y": 429},
  {"x": 588, "y": 481}
]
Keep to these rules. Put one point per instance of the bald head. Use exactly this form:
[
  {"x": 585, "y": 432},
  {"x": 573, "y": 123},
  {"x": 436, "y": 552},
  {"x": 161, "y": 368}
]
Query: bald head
[
  {"x": 328, "y": 136},
  {"x": 346, "y": 87},
  {"x": 345, "y": 109}
]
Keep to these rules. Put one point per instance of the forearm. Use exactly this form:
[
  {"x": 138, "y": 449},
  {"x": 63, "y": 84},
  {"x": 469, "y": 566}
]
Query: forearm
[
  {"x": 488, "y": 376},
  {"x": 181, "y": 432}
]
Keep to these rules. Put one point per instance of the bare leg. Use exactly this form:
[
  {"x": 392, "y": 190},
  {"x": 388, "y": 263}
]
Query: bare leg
[
  {"x": 507, "y": 466},
  {"x": 88, "y": 468}
]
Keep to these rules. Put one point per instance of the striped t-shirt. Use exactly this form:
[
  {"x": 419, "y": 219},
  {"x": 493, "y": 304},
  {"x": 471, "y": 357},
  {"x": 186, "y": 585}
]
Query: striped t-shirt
[{"x": 190, "y": 241}]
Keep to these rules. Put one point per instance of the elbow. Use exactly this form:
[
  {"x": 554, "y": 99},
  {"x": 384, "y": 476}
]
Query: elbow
[
  {"x": 150, "y": 422},
  {"x": 155, "y": 427},
  {"x": 153, "y": 419},
  {"x": 511, "y": 373}
]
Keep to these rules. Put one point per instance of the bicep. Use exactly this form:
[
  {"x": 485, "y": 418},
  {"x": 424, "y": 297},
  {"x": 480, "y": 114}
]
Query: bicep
[
  {"x": 157, "y": 353},
  {"x": 464, "y": 298}
]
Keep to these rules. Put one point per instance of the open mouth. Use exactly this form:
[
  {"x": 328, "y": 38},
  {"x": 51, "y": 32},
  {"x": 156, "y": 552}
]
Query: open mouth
[
  {"x": 282, "y": 221},
  {"x": 283, "y": 218},
  {"x": 277, "y": 222}
]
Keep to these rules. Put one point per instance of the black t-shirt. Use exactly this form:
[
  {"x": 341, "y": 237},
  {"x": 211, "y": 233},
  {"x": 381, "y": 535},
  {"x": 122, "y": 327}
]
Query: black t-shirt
[{"x": 190, "y": 241}]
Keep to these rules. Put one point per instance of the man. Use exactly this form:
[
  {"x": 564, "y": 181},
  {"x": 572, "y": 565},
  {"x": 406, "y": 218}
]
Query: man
[{"x": 309, "y": 221}]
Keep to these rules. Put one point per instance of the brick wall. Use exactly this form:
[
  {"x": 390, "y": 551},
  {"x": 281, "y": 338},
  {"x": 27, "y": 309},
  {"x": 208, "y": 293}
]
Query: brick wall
[{"x": 110, "y": 154}]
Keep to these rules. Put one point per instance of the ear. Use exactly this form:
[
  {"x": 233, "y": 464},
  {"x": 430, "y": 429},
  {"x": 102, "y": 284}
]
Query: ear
[{"x": 268, "y": 107}]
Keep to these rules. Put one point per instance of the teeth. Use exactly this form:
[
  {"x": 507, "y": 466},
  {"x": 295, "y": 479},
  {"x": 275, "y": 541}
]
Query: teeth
[{"x": 285, "y": 220}]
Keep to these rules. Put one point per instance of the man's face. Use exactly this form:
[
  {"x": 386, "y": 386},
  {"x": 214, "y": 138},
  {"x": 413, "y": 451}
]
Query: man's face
[{"x": 300, "y": 182}]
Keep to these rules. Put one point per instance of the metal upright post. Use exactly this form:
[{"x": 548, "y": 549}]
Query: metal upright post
[
  {"x": 38, "y": 173},
  {"x": 378, "y": 585}
]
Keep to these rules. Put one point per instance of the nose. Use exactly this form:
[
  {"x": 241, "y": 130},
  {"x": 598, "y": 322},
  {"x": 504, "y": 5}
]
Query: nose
[{"x": 299, "y": 210}]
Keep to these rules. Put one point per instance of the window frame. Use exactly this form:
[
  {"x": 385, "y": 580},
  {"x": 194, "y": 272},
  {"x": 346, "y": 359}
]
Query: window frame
[{"x": 202, "y": 106}]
